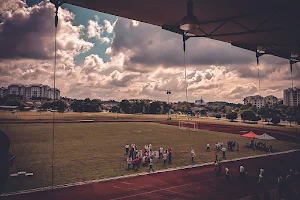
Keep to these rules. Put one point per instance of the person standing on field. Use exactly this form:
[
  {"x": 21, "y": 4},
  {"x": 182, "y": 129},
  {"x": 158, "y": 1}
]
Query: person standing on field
[
  {"x": 129, "y": 162},
  {"x": 207, "y": 147},
  {"x": 224, "y": 152},
  {"x": 165, "y": 155},
  {"x": 126, "y": 149},
  {"x": 193, "y": 155},
  {"x": 151, "y": 165},
  {"x": 161, "y": 151}
]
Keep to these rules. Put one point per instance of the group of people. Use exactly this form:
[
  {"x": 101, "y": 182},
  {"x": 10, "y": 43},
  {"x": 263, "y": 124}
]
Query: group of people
[
  {"x": 284, "y": 182},
  {"x": 260, "y": 145},
  {"x": 136, "y": 158},
  {"x": 242, "y": 172},
  {"x": 233, "y": 146}
]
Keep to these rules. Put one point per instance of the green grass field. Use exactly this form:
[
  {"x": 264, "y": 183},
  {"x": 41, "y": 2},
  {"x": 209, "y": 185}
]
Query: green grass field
[
  {"x": 24, "y": 116},
  {"x": 96, "y": 150}
]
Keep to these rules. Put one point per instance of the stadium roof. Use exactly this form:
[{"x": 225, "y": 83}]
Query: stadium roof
[{"x": 271, "y": 26}]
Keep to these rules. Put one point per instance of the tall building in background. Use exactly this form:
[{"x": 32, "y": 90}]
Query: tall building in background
[
  {"x": 291, "y": 96},
  {"x": 29, "y": 92},
  {"x": 2, "y": 92}
]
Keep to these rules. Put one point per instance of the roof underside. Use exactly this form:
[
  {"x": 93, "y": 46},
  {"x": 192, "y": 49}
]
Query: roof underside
[{"x": 272, "y": 25}]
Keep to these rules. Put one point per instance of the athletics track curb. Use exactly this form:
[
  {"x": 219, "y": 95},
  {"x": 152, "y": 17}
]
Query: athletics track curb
[{"x": 43, "y": 189}]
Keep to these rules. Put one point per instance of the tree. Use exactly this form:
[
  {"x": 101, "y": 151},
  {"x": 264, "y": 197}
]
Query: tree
[
  {"x": 154, "y": 107},
  {"x": 265, "y": 113},
  {"x": 218, "y": 116},
  {"x": 254, "y": 109},
  {"x": 248, "y": 115},
  {"x": 125, "y": 106},
  {"x": 77, "y": 106},
  {"x": 59, "y": 105},
  {"x": 86, "y": 105},
  {"x": 114, "y": 109},
  {"x": 203, "y": 112},
  {"x": 290, "y": 115},
  {"x": 231, "y": 116},
  {"x": 275, "y": 120}
]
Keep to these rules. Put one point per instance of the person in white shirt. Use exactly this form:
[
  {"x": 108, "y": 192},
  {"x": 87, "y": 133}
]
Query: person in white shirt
[
  {"x": 126, "y": 149},
  {"x": 193, "y": 155},
  {"x": 242, "y": 173},
  {"x": 165, "y": 155},
  {"x": 141, "y": 153},
  {"x": 224, "y": 152},
  {"x": 150, "y": 147},
  {"x": 207, "y": 147},
  {"x": 129, "y": 162},
  {"x": 151, "y": 165},
  {"x": 227, "y": 173},
  {"x": 261, "y": 171},
  {"x": 161, "y": 151}
]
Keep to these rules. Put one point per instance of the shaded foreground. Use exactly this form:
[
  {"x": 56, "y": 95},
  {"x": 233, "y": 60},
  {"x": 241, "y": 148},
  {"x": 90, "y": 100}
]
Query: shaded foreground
[{"x": 197, "y": 183}]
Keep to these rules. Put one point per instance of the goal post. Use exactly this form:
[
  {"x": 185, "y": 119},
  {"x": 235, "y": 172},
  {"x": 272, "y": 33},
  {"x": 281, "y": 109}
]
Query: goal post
[{"x": 188, "y": 125}]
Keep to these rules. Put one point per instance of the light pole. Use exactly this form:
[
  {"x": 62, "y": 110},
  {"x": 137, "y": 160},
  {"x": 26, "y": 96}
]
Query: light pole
[
  {"x": 117, "y": 102},
  {"x": 168, "y": 93}
]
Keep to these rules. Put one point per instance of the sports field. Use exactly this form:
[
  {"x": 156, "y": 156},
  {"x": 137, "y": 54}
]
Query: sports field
[
  {"x": 6, "y": 116},
  {"x": 87, "y": 151}
]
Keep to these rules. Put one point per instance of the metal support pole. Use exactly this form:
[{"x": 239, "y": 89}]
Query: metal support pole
[
  {"x": 57, "y": 4},
  {"x": 118, "y": 101},
  {"x": 168, "y": 93}
]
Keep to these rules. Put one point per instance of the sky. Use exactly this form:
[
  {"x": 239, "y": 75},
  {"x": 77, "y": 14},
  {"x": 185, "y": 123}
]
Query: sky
[{"x": 107, "y": 57}]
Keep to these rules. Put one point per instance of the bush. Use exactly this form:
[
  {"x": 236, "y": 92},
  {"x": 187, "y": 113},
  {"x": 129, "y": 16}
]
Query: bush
[
  {"x": 231, "y": 116},
  {"x": 275, "y": 120},
  {"x": 218, "y": 116},
  {"x": 248, "y": 115}
]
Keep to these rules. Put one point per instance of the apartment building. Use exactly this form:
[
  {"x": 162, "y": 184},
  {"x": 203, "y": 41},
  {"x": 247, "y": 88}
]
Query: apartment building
[
  {"x": 30, "y": 91},
  {"x": 291, "y": 96}
]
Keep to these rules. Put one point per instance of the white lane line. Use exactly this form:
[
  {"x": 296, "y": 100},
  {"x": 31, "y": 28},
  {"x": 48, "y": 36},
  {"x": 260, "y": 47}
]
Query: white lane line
[{"x": 166, "y": 189}]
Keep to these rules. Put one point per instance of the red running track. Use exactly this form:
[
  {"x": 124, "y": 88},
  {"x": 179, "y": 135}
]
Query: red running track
[
  {"x": 285, "y": 135},
  {"x": 197, "y": 183}
]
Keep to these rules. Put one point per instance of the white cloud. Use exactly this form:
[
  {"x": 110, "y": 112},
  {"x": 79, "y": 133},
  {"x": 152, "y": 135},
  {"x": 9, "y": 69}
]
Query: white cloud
[
  {"x": 108, "y": 50},
  {"x": 96, "y": 30},
  {"x": 144, "y": 61},
  {"x": 108, "y": 26}
]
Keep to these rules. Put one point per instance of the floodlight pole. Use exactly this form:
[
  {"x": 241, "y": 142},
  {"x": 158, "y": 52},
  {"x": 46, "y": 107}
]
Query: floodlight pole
[
  {"x": 292, "y": 61},
  {"x": 168, "y": 93},
  {"x": 118, "y": 101}
]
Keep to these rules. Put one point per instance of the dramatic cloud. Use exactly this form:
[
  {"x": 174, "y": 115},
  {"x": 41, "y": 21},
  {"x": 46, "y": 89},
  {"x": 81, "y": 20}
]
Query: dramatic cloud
[
  {"x": 28, "y": 32},
  {"x": 97, "y": 30},
  {"x": 144, "y": 60}
]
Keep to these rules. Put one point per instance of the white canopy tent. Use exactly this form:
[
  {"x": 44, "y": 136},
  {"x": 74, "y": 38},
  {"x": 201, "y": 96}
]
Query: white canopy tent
[{"x": 265, "y": 137}]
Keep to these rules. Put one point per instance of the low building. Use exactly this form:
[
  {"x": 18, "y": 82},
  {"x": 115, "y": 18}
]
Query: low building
[
  {"x": 29, "y": 92},
  {"x": 256, "y": 100},
  {"x": 200, "y": 102},
  {"x": 271, "y": 100}
]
